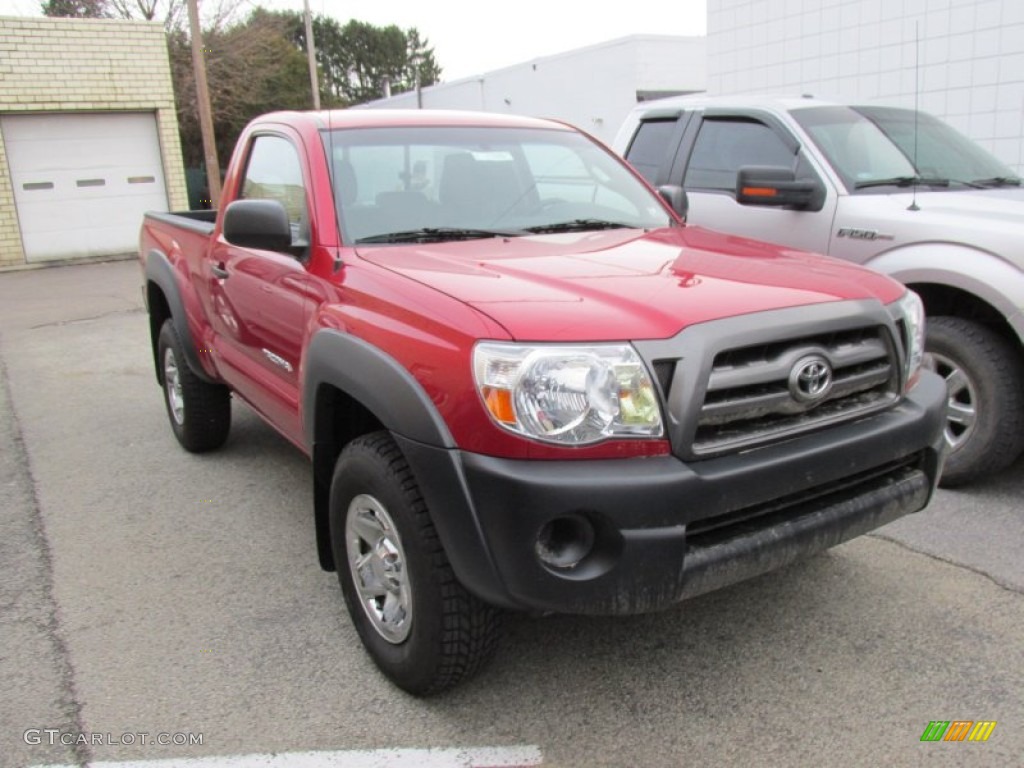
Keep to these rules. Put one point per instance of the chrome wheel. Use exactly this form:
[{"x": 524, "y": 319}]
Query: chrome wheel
[
  {"x": 172, "y": 382},
  {"x": 962, "y": 399},
  {"x": 378, "y": 565}
]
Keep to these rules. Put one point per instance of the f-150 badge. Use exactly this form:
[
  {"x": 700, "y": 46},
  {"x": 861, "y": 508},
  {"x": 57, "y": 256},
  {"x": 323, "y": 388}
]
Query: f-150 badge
[{"x": 863, "y": 234}]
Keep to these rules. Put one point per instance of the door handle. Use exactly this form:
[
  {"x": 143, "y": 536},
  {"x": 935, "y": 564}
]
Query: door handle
[{"x": 219, "y": 271}]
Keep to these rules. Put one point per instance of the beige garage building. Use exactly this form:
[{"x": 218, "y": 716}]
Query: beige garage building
[{"x": 88, "y": 137}]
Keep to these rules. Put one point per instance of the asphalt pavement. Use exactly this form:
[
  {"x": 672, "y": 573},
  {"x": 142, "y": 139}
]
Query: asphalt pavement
[{"x": 147, "y": 591}]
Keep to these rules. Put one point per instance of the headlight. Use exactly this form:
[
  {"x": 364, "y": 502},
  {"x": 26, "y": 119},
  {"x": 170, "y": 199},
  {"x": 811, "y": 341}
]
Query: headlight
[
  {"x": 912, "y": 310},
  {"x": 572, "y": 395}
]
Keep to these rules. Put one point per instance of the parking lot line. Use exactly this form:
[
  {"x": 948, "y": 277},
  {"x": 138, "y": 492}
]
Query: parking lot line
[{"x": 520, "y": 756}]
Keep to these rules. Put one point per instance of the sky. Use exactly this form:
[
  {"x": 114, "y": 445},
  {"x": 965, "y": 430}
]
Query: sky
[{"x": 473, "y": 38}]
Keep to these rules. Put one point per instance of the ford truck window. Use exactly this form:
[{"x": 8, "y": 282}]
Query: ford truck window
[
  {"x": 941, "y": 150},
  {"x": 873, "y": 148},
  {"x": 649, "y": 149},
  {"x": 725, "y": 146}
]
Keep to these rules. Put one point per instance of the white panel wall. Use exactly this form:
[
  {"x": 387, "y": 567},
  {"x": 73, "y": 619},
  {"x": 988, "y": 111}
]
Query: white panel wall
[
  {"x": 593, "y": 88},
  {"x": 971, "y": 57}
]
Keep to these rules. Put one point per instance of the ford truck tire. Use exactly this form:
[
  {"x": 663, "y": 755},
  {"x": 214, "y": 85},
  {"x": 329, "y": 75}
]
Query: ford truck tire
[{"x": 978, "y": 366}]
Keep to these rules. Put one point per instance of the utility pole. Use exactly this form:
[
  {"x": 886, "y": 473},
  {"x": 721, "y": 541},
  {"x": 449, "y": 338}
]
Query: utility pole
[
  {"x": 203, "y": 102},
  {"x": 311, "y": 53},
  {"x": 417, "y": 62}
]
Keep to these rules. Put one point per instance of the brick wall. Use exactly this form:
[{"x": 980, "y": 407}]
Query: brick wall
[{"x": 92, "y": 65}]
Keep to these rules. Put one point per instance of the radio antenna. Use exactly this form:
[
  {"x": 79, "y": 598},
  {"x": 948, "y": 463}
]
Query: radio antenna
[
  {"x": 332, "y": 172},
  {"x": 917, "y": 100}
]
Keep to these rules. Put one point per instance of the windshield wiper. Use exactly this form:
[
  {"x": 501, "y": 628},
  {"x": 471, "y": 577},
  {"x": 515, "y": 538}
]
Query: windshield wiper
[
  {"x": 998, "y": 181},
  {"x": 916, "y": 181},
  {"x": 902, "y": 181},
  {"x": 578, "y": 225},
  {"x": 437, "y": 235}
]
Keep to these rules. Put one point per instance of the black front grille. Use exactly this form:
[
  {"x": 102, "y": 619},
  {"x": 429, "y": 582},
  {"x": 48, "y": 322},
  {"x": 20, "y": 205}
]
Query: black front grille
[{"x": 750, "y": 398}]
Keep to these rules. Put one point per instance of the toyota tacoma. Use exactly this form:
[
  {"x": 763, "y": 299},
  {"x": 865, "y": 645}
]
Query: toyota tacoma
[{"x": 523, "y": 383}]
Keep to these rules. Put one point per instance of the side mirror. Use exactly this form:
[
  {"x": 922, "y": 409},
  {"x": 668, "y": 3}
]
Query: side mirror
[
  {"x": 768, "y": 185},
  {"x": 675, "y": 196},
  {"x": 261, "y": 224}
]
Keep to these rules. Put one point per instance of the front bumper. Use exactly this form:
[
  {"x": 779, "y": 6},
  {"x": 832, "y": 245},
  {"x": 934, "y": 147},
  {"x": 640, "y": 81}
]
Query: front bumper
[{"x": 665, "y": 530}]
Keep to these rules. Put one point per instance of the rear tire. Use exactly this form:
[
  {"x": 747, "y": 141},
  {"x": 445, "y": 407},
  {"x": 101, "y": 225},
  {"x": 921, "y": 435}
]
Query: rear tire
[
  {"x": 985, "y": 383},
  {"x": 418, "y": 623},
  {"x": 199, "y": 412}
]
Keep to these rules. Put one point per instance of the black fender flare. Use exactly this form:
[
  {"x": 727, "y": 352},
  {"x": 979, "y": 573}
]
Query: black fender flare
[
  {"x": 374, "y": 378},
  {"x": 159, "y": 271},
  {"x": 380, "y": 384},
  {"x": 385, "y": 388}
]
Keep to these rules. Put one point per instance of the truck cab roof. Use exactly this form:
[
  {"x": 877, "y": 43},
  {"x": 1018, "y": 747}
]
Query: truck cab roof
[{"x": 384, "y": 118}]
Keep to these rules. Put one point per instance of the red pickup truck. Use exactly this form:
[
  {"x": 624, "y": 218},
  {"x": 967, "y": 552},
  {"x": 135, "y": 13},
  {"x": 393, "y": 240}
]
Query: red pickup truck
[{"x": 522, "y": 381}]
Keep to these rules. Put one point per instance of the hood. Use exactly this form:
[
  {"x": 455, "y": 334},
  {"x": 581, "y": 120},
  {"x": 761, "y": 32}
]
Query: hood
[
  {"x": 625, "y": 284},
  {"x": 991, "y": 206},
  {"x": 988, "y": 220}
]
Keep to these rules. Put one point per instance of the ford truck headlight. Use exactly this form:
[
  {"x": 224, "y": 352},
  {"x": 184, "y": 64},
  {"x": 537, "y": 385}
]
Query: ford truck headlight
[
  {"x": 572, "y": 395},
  {"x": 912, "y": 311}
]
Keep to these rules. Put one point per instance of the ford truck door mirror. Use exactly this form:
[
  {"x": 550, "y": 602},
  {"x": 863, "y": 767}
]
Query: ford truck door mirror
[
  {"x": 675, "y": 196},
  {"x": 259, "y": 224},
  {"x": 774, "y": 186}
]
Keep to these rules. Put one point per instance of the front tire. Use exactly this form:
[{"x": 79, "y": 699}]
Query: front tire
[
  {"x": 419, "y": 624},
  {"x": 199, "y": 412},
  {"x": 985, "y": 385}
]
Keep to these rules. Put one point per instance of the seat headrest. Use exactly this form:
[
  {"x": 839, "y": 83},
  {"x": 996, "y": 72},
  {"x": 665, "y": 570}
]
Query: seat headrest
[
  {"x": 458, "y": 179},
  {"x": 479, "y": 192},
  {"x": 345, "y": 183}
]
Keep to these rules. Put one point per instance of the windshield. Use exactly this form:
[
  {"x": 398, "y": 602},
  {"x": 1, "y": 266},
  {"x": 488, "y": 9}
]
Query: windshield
[
  {"x": 416, "y": 184},
  {"x": 873, "y": 148}
]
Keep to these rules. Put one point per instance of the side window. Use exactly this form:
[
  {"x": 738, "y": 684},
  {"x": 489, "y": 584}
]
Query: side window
[
  {"x": 724, "y": 146},
  {"x": 650, "y": 147},
  {"x": 274, "y": 173}
]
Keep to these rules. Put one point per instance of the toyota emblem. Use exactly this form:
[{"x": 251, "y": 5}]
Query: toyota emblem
[{"x": 810, "y": 379}]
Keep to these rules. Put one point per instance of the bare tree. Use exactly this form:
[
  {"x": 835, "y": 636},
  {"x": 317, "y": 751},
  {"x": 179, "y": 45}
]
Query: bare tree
[
  {"x": 139, "y": 9},
  {"x": 172, "y": 13},
  {"x": 252, "y": 68},
  {"x": 76, "y": 9}
]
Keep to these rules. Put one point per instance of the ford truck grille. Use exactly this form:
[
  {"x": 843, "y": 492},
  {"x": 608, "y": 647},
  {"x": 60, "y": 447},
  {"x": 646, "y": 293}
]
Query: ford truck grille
[{"x": 767, "y": 392}]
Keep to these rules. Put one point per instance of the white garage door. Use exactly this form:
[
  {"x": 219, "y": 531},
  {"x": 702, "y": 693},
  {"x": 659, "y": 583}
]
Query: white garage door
[{"x": 82, "y": 181}]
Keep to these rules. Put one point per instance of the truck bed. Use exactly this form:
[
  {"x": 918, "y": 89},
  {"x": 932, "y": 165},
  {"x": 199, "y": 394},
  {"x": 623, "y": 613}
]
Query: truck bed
[{"x": 195, "y": 221}]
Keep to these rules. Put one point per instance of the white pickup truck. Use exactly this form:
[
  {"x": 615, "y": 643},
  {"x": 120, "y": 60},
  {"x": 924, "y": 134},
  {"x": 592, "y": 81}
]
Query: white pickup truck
[{"x": 892, "y": 189}]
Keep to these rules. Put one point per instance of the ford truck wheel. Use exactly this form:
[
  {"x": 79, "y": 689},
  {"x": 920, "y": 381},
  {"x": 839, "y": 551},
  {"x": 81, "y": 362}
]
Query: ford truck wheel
[
  {"x": 418, "y": 623},
  {"x": 200, "y": 412},
  {"x": 985, "y": 384}
]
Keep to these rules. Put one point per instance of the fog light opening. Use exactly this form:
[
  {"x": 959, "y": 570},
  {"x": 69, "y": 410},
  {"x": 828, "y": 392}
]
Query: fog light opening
[{"x": 565, "y": 541}]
